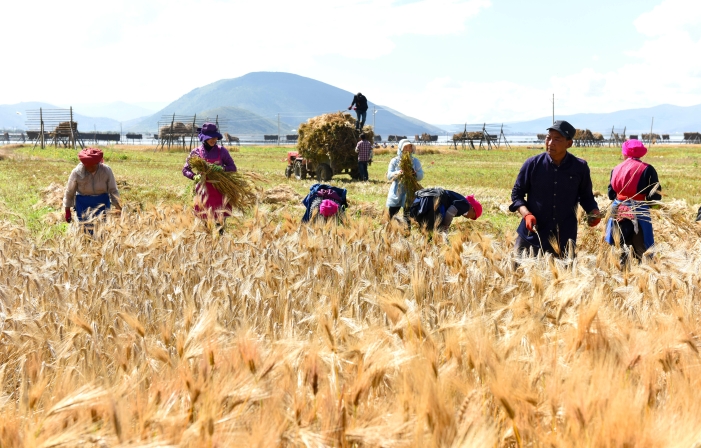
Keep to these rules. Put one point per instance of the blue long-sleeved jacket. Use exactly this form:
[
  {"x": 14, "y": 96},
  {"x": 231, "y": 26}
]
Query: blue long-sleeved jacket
[{"x": 553, "y": 193}]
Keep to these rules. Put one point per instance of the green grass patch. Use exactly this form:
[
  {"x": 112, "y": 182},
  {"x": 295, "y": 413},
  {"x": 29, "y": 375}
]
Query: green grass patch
[{"x": 148, "y": 176}]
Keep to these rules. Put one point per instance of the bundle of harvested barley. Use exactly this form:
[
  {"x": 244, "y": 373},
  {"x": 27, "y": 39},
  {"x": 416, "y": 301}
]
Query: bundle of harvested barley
[
  {"x": 330, "y": 136},
  {"x": 239, "y": 188},
  {"x": 64, "y": 128},
  {"x": 408, "y": 178},
  {"x": 281, "y": 194}
]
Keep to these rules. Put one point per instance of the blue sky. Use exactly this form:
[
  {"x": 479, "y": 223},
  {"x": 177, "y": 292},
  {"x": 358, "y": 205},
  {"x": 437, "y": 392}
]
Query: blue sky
[{"x": 443, "y": 61}]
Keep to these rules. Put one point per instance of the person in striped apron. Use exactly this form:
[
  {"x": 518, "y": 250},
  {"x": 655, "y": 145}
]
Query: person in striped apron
[{"x": 634, "y": 184}]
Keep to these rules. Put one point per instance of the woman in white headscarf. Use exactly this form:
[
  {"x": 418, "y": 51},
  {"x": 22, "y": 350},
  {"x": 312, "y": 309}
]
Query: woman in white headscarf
[{"x": 396, "y": 196}]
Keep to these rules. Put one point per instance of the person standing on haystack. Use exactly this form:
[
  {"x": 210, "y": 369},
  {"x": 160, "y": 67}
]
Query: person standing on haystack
[
  {"x": 546, "y": 194},
  {"x": 633, "y": 183},
  {"x": 209, "y": 202},
  {"x": 364, "y": 150},
  {"x": 360, "y": 105},
  {"x": 396, "y": 197},
  {"x": 91, "y": 188}
]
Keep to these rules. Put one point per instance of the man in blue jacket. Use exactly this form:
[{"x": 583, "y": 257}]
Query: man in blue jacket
[{"x": 546, "y": 194}]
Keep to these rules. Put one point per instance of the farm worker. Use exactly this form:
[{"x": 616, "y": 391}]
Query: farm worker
[
  {"x": 546, "y": 193},
  {"x": 209, "y": 202},
  {"x": 633, "y": 182},
  {"x": 360, "y": 105},
  {"x": 324, "y": 202},
  {"x": 364, "y": 150},
  {"x": 91, "y": 187},
  {"x": 438, "y": 206},
  {"x": 397, "y": 194}
]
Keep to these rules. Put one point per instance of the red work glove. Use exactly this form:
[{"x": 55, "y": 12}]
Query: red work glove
[
  {"x": 594, "y": 218},
  {"x": 530, "y": 222},
  {"x": 68, "y": 214}
]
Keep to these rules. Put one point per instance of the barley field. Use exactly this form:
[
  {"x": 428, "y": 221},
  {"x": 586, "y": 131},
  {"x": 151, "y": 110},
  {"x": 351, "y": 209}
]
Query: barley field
[{"x": 159, "y": 332}]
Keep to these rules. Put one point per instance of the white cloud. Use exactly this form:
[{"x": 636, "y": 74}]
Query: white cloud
[
  {"x": 141, "y": 50},
  {"x": 667, "y": 71}
]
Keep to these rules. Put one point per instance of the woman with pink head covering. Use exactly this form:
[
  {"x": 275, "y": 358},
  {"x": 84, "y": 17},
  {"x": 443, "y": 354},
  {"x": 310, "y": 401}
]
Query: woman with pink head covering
[
  {"x": 437, "y": 207},
  {"x": 91, "y": 188},
  {"x": 634, "y": 184}
]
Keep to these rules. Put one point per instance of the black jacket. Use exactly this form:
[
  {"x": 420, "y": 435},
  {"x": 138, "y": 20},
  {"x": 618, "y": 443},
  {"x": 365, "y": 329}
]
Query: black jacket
[{"x": 361, "y": 103}]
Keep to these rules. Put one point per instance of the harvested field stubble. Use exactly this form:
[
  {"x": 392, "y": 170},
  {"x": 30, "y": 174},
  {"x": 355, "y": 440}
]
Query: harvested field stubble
[{"x": 154, "y": 332}]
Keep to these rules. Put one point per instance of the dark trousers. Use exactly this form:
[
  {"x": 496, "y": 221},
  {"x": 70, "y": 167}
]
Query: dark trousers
[
  {"x": 362, "y": 115},
  {"x": 362, "y": 170},
  {"x": 394, "y": 210},
  {"x": 521, "y": 246},
  {"x": 629, "y": 238}
]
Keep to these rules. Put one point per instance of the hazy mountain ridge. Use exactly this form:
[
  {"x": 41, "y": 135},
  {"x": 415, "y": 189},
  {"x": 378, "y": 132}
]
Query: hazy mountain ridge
[
  {"x": 295, "y": 98},
  {"x": 668, "y": 118}
]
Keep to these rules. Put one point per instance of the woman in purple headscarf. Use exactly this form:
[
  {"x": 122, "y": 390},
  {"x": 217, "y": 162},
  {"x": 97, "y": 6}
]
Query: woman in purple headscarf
[{"x": 209, "y": 202}]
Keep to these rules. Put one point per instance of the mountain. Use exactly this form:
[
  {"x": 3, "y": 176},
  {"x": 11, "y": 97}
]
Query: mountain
[
  {"x": 668, "y": 119},
  {"x": 295, "y": 98},
  {"x": 245, "y": 122},
  {"x": 10, "y": 119},
  {"x": 118, "y": 110}
]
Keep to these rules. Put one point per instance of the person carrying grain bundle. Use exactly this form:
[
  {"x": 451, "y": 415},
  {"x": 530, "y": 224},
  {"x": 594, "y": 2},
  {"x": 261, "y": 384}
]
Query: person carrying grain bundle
[
  {"x": 209, "y": 202},
  {"x": 546, "y": 193},
  {"x": 91, "y": 188},
  {"x": 325, "y": 202},
  {"x": 360, "y": 105},
  {"x": 436, "y": 206},
  {"x": 364, "y": 150},
  {"x": 397, "y": 195},
  {"x": 633, "y": 182}
]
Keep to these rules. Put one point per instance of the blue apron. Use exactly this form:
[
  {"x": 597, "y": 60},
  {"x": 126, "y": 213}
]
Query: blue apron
[
  {"x": 97, "y": 204},
  {"x": 642, "y": 214}
]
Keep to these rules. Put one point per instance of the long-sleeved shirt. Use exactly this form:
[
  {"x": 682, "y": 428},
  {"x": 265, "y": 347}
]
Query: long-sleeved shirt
[
  {"x": 397, "y": 194},
  {"x": 364, "y": 150},
  {"x": 553, "y": 193},
  {"x": 360, "y": 102},
  {"x": 81, "y": 181},
  {"x": 645, "y": 183},
  {"x": 218, "y": 155}
]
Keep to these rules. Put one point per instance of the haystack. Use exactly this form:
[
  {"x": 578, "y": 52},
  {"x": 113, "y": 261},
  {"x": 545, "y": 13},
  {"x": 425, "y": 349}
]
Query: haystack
[
  {"x": 176, "y": 130},
  {"x": 583, "y": 134},
  {"x": 280, "y": 195},
  {"x": 64, "y": 128},
  {"x": 331, "y": 137}
]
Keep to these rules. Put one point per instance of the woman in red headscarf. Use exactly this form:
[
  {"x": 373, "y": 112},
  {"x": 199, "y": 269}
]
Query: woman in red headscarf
[{"x": 91, "y": 187}]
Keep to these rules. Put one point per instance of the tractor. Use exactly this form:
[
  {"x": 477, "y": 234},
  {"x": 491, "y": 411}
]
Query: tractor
[{"x": 322, "y": 170}]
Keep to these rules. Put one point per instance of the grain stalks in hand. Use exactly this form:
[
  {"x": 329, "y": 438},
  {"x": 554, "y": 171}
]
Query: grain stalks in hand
[{"x": 155, "y": 333}]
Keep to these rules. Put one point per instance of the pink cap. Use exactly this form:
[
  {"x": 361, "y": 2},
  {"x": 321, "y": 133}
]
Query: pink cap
[
  {"x": 328, "y": 208},
  {"x": 475, "y": 205},
  {"x": 634, "y": 148}
]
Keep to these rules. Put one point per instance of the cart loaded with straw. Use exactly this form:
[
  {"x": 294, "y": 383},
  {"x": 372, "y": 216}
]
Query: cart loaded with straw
[{"x": 326, "y": 147}]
